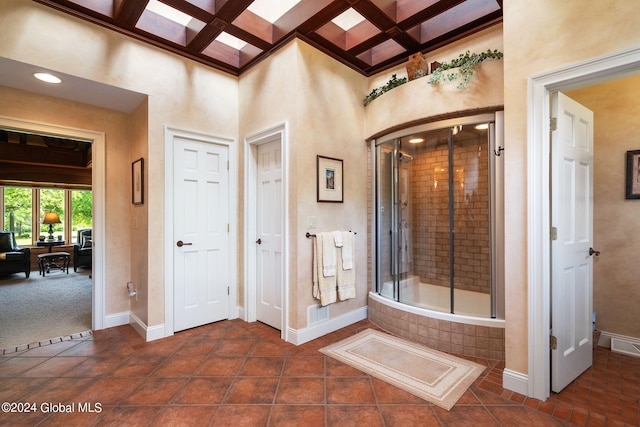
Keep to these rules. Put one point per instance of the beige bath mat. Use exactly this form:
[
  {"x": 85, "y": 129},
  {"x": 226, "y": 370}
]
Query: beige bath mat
[{"x": 432, "y": 375}]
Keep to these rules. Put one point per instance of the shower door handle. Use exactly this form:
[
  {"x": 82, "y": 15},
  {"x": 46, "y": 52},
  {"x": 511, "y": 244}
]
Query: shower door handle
[{"x": 593, "y": 252}]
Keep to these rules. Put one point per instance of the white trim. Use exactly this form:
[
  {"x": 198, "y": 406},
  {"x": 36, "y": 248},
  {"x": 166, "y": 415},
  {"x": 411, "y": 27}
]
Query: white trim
[
  {"x": 596, "y": 70},
  {"x": 117, "y": 319},
  {"x": 149, "y": 333},
  {"x": 170, "y": 133},
  {"x": 251, "y": 143},
  {"x": 98, "y": 190},
  {"x": 301, "y": 336},
  {"x": 515, "y": 381}
]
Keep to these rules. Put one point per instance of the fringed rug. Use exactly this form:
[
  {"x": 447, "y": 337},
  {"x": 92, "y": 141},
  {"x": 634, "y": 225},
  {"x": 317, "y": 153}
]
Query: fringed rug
[{"x": 432, "y": 375}]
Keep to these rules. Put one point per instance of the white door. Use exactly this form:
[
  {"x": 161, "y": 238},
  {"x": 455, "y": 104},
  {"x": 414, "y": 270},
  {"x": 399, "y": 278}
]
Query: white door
[
  {"x": 201, "y": 235},
  {"x": 571, "y": 259},
  {"x": 269, "y": 227}
]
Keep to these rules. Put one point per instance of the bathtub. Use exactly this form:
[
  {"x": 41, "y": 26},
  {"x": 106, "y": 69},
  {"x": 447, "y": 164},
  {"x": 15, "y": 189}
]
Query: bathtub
[{"x": 469, "y": 332}]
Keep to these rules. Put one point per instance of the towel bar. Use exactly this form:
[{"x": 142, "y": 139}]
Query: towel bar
[{"x": 309, "y": 235}]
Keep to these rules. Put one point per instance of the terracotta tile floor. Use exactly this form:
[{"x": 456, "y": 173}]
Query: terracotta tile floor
[{"x": 234, "y": 373}]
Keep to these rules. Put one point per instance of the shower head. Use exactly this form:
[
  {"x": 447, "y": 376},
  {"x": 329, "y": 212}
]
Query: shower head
[{"x": 404, "y": 157}]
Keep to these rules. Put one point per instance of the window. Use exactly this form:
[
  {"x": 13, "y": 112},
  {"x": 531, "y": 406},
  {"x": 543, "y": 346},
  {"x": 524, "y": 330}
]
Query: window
[
  {"x": 23, "y": 208},
  {"x": 81, "y": 212},
  {"x": 18, "y": 213},
  {"x": 52, "y": 200}
]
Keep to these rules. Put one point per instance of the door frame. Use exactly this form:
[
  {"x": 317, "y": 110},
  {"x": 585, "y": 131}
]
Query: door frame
[
  {"x": 98, "y": 185},
  {"x": 593, "y": 71},
  {"x": 275, "y": 133},
  {"x": 170, "y": 133}
]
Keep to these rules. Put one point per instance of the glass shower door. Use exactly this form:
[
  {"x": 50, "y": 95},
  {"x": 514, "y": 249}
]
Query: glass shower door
[
  {"x": 470, "y": 221},
  {"x": 434, "y": 220}
]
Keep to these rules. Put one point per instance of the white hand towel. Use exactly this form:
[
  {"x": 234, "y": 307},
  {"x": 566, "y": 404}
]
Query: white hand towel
[
  {"x": 337, "y": 238},
  {"x": 324, "y": 287},
  {"x": 347, "y": 250},
  {"x": 346, "y": 277},
  {"x": 315, "y": 255},
  {"x": 328, "y": 254}
]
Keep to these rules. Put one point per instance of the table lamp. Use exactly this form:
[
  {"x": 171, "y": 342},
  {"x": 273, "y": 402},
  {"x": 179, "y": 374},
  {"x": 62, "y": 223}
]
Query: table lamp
[{"x": 51, "y": 218}]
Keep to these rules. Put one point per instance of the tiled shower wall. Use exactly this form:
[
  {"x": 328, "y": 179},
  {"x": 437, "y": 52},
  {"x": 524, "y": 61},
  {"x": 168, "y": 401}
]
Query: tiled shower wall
[{"x": 430, "y": 191}]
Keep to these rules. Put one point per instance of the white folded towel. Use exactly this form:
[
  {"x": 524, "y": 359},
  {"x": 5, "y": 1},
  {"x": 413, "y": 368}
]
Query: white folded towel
[
  {"x": 324, "y": 287},
  {"x": 347, "y": 250},
  {"x": 346, "y": 274},
  {"x": 328, "y": 254},
  {"x": 337, "y": 238}
]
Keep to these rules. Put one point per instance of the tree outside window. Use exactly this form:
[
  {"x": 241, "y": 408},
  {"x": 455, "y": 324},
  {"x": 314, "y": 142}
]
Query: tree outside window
[
  {"x": 18, "y": 207},
  {"x": 81, "y": 212}
]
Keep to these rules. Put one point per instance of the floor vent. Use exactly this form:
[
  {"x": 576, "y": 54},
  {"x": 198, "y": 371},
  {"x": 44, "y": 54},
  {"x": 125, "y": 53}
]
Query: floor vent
[
  {"x": 625, "y": 347},
  {"x": 315, "y": 313}
]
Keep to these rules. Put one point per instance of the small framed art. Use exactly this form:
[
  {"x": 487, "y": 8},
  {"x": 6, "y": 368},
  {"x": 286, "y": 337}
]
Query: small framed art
[
  {"x": 633, "y": 175},
  {"x": 329, "y": 180},
  {"x": 137, "y": 182}
]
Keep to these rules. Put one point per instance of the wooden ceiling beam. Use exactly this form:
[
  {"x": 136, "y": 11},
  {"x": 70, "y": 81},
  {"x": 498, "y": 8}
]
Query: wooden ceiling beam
[
  {"x": 397, "y": 20},
  {"x": 13, "y": 172},
  {"x": 129, "y": 11}
]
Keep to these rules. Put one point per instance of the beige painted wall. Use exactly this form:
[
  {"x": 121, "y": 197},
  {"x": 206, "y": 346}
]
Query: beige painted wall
[
  {"x": 536, "y": 39},
  {"x": 319, "y": 99},
  {"x": 490, "y": 38},
  {"x": 115, "y": 125},
  {"x": 182, "y": 93},
  {"x": 138, "y": 230},
  {"x": 616, "y": 292}
]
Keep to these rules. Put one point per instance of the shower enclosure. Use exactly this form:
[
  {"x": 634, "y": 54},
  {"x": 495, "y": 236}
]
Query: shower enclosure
[{"x": 435, "y": 217}]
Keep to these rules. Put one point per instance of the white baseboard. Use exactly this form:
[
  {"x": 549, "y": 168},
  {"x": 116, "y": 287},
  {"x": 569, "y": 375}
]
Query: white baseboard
[
  {"x": 116, "y": 319},
  {"x": 301, "y": 336},
  {"x": 515, "y": 381},
  {"x": 149, "y": 333}
]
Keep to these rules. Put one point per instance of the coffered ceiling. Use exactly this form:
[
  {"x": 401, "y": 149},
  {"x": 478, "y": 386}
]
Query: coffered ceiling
[{"x": 232, "y": 35}]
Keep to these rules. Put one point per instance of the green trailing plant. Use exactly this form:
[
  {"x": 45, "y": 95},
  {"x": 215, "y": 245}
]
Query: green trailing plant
[
  {"x": 394, "y": 82},
  {"x": 465, "y": 65}
]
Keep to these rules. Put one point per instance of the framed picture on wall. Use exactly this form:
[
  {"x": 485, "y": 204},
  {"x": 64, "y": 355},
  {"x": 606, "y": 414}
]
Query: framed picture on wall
[
  {"x": 137, "y": 182},
  {"x": 329, "y": 181},
  {"x": 633, "y": 175}
]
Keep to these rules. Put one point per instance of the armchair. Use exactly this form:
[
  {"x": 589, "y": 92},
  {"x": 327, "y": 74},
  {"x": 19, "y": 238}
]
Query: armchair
[
  {"x": 82, "y": 249},
  {"x": 12, "y": 258}
]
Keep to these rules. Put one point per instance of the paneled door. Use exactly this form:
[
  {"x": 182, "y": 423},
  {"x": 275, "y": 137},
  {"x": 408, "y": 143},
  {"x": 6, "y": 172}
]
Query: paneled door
[
  {"x": 571, "y": 240},
  {"x": 269, "y": 228},
  {"x": 201, "y": 233}
]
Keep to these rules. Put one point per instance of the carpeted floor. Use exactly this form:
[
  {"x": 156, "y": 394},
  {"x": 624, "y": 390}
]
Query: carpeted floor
[{"x": 40, "y": 308}]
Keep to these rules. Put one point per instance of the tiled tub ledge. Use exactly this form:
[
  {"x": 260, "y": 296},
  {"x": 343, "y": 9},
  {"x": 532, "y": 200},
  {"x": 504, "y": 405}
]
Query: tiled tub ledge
[{"x": 484, "y": 339}]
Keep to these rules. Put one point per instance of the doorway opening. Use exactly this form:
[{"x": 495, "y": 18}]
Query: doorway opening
[
  {"x": 596, "y": 70},
  {"x": 266, "y": 228},
  {"x": 97, "y": 141},
  {"x": 200, "y": 220}
]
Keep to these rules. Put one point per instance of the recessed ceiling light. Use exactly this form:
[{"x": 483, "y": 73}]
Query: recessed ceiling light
[
  {"x": 482, "y": 126},
  {"x": 46, "y": 77},
  {"x": 415, "y": 140}
]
